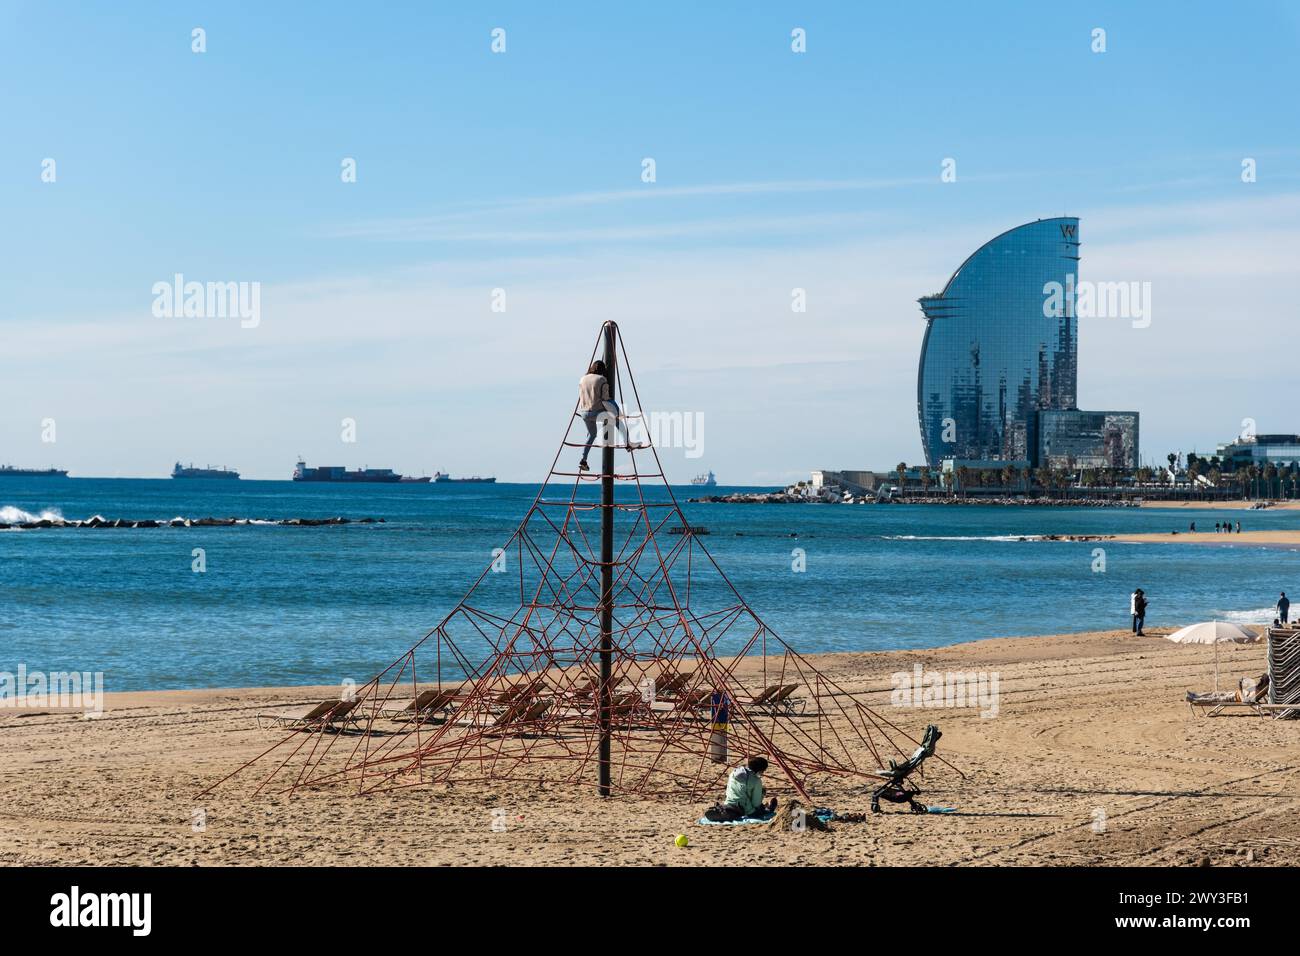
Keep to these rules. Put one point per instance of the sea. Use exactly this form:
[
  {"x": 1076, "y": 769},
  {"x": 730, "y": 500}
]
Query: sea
[{"x": 281, "y": 605}]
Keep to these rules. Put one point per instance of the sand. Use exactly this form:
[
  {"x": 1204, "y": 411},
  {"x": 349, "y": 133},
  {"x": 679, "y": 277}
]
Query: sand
[
  {"x": 1270, "y": 538},
  {"x": 1234, "y": 505},
  {"x": 1093, "y": 759}
]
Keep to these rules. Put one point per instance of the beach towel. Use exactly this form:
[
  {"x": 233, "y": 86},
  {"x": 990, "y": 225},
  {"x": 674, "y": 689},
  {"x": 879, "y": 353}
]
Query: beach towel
[
  {"x": 821, "y": 813},
  {"x": 766, "y": 817}
]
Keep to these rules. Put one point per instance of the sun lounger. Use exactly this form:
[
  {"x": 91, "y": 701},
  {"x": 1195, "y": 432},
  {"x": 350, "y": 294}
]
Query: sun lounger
[
  {"x": 321, "y": 716},
  {"x": 671, "y": 685},
  {"x": 425, "y": 706},
  {"x": 518, "y": 716},
  {"x": 779, "y": 698},
  {"x": 1252, "y": 695}
]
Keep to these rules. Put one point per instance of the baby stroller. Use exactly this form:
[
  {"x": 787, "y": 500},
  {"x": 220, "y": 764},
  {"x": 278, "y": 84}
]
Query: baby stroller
[{"x": 897, "y": 788}]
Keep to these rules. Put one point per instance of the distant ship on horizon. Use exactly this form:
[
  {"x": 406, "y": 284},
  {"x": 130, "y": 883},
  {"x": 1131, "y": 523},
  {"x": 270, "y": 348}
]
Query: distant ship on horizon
[
  {"x": 189, "y": 471},
  {"x": 443, "y": 478},
  {"x": 9, "y": 471},
  {"x": 707, "y": 481},
  {"x": 339, "y": 473}
]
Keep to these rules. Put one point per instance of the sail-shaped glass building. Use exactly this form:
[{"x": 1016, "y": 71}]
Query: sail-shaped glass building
[{"x": 1001, "y": 348}]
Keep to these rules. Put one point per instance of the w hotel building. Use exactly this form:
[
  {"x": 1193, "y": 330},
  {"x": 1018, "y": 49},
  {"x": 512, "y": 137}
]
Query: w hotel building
[{"x": 999, "y": 373}]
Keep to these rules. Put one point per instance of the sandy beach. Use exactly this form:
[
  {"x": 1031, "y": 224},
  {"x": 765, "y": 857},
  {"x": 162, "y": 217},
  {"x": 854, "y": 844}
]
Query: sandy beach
[
  {"x": 1235, "y": 505},
  {"x": 1275, "y": 538},
  {"x": 1093, "y": 759}
]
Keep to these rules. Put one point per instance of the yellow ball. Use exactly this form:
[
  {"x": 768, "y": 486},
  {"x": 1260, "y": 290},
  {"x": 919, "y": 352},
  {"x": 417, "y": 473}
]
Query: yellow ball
[{"x": 682, "y": 840}]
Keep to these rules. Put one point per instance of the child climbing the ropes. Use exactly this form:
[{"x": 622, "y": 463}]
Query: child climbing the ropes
[{"x": 595, "y": 401}]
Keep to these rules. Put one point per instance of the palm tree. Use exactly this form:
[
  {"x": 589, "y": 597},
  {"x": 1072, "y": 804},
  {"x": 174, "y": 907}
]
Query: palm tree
[
  {"x": 925, "y": 479},
  {"x": 963, "y": 475},
  {"x": 901, "y": 470}
]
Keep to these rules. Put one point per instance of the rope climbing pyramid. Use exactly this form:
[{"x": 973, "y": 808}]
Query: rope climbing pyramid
[{"x": 602, "y": 646}]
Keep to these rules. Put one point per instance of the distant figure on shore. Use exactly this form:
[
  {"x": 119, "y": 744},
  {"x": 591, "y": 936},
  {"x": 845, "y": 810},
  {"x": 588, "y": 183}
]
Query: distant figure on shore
[
  {"x": 1138, "y": 608},
  {"x": 595, "y": 400},
  {"x": 1283, "y": 608},
  {"x": 1238, "y": 527},
  {"x": 1192, "y": 527},
  {"x": 1218, "y": 528}
]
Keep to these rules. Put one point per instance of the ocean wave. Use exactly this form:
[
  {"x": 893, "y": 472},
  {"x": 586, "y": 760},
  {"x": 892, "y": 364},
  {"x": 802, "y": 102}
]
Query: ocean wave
[
  {"x": 1263, "y": 615},
  {"x": 12, "y": 515},
  {"x": 954, "y": 537}
]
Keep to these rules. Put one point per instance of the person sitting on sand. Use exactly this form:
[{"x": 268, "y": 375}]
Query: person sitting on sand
[
  {"x": 745, "y": 791},
  {"x": 595, "y": 401},
  {"x": 1138, "y": 608}
]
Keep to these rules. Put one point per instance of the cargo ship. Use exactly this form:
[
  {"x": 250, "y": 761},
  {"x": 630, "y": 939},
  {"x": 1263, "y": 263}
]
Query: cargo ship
[
  {"x": 706, "y": 481},
  {"x": 338, "y": 473},
  {"x": 415, "y": 479},
  {"x": 442, "y": 478},
  {"x": 189, "y": 471},
  {"x": 9, "y": 471}
]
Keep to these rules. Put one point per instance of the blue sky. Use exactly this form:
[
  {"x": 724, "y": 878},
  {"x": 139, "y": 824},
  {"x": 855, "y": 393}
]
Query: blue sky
[{"x": 522, "y": 171}]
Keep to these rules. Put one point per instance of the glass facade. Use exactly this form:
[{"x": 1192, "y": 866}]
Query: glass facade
[
  {"x": 1078, "y": 439},
  {"x": 996, "y": 351}
]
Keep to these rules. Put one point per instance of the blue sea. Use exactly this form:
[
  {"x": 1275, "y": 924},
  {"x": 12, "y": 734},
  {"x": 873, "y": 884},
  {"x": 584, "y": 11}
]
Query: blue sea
[{"x": 296, "y": 605}]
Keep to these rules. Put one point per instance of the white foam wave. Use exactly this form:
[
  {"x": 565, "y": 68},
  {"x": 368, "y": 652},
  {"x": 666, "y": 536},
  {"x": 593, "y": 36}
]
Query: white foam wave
[
  {"x": 12, "y": 515},
  {"x": 1263, "y": 615}
]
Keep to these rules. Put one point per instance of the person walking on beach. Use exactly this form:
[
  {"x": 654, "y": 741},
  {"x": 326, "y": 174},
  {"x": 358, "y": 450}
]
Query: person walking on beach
[
  {"x": 1238, "y": 527},
  {"x": 595, "y": 400},
  {"x": 1138, "y": 608},
  {"x": 1283, "y": 608},
  {"x": 1192, "y": 527}
]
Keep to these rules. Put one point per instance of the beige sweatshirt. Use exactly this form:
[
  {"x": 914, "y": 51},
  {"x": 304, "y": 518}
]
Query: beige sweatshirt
[{"x": 593, "y": 392}]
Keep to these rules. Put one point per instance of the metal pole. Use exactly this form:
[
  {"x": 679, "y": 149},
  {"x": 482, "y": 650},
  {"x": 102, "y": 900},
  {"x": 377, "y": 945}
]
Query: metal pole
[{"x": 607, "y": 565}]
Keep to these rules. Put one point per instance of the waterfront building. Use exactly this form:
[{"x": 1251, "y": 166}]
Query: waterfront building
[{"x": 1001, "y": 352}]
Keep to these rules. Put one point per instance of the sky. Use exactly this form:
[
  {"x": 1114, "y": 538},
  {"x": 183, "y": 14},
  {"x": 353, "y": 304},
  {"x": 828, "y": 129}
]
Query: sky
[{"x": 523, "y": 171}]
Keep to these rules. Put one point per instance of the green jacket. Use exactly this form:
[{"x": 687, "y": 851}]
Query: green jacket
[{"x": 745, "y": 790}]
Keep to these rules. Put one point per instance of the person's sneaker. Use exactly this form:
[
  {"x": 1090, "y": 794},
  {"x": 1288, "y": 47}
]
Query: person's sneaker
[{"x": 583, "y": 466}]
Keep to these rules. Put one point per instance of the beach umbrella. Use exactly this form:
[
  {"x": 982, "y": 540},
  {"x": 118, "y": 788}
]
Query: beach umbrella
[{"x": 1216, "y": 633}]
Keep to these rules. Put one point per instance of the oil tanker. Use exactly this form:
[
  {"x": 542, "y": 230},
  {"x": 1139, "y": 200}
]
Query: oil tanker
[
  {"x": 189, "y": 471},
  {"x": 442, "y": 478},
  {"x": 9, "y": 471}
]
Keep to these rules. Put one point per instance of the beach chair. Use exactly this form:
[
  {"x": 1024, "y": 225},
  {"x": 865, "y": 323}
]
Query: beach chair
[
  {"x": 779, "y": 698},
  {"x": 1252, "y": 695},
  {"x": 693, "y": 700},
  {"x": 326, "y": 715},
  {"x": 671, "y": 685},
  {"x": 524, "y": 690},
  {"x": 762, "y": 699},
  {"x": 897, "y": 788},
  {"x": 426, "y": 706},
  {"x": 517, "y": 717}
]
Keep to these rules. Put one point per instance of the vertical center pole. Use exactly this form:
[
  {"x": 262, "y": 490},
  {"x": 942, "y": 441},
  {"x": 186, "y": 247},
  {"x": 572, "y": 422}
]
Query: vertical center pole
[{"x": 611, "y": 432}]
